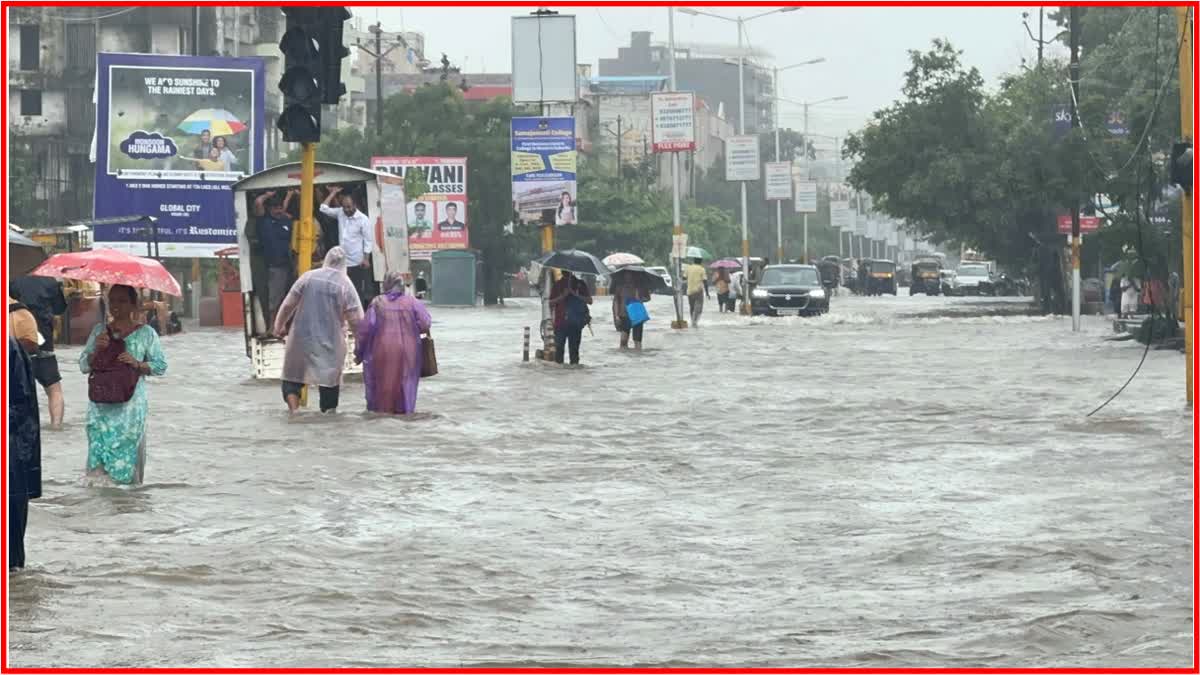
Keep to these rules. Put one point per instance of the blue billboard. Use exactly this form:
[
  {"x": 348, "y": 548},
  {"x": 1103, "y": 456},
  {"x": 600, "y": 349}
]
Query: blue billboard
[{"x": 173, "y": 133}]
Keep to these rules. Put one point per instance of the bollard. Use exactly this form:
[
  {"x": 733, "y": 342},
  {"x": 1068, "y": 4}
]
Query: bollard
[{"x": 525, "y": 349}]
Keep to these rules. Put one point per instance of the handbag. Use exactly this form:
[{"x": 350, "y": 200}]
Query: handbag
[
  {"x": 636, "y": 311},
  {"x": 429, "y": 366},
  {"x": 111, "y": 381}
]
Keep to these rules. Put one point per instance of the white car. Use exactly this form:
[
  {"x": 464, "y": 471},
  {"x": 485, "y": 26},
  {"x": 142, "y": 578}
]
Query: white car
[
  {"x": 662, "y": 272},
  {"x": 973, "y": 278}
]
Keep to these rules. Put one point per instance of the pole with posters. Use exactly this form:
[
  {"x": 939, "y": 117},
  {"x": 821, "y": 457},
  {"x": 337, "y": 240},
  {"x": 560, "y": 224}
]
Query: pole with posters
[{"x": 778, "y": 185}]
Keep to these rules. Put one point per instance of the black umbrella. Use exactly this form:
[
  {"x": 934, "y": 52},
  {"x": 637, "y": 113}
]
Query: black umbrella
[
  {"x": 576, "y": 262},
  {"x": 24, "y": 254},
  {"x": 642, "y": 278}
]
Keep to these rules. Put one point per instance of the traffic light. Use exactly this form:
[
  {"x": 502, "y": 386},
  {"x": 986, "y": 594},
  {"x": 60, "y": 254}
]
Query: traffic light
[
  {"x": 333, "y": 50},
  {"x": 1181, "y": 165},
  {"x": 312, "y": 69}
]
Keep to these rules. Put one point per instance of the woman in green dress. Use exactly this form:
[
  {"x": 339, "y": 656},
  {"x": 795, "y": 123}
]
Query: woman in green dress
[{"x": 117, "y": 431}]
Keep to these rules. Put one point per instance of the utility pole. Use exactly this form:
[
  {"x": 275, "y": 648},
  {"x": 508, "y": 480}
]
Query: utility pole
[
  {"x": 620, "y": 138},
  {"x": 1075, "y": 235},
  {"x": 778, "y": 203},
  {"x": 679, "y": 322},
  {"x": 1187, "y": 120},
  {"x": 379, "y": 55}
]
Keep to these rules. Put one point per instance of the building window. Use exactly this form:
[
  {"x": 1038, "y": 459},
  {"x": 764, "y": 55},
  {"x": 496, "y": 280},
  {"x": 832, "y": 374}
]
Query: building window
[
  {"x": 31, "y": 47},
  {"x": 31, "y": 102}
]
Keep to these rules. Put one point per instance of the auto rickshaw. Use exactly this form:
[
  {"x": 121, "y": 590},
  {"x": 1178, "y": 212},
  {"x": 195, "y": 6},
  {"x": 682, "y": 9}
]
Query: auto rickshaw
[
  {"x": 926, "y": 277},
  {"x": 880, "y": 277}
]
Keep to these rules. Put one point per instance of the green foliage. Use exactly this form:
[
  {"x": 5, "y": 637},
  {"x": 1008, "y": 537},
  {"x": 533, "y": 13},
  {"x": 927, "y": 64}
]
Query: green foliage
[{"x": 984, "y": 169}]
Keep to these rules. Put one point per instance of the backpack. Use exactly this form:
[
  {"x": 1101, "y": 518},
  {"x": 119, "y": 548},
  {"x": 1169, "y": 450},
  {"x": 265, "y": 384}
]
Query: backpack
[{"x": 578, "y": 314}]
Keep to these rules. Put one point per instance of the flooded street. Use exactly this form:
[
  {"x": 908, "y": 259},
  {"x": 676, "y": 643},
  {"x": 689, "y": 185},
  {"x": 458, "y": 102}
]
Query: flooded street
[{"x": 902, "y": 482}]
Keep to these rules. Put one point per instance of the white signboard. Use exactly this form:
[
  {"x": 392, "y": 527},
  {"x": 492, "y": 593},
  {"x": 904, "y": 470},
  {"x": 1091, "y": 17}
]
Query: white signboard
[
  {"x": 779, "y": 180},
  {"x": 840, "y": 216},
  {"x": 674, "y": 121},
  {"x": 893, "y": 238},
  {"x": 679, "y": 244},
  {"x": 741, "y": 158},
  {"x": 806, "y": 196},
  {"x": 862, "y": 226},
  {"x": 543, "y": 59}
]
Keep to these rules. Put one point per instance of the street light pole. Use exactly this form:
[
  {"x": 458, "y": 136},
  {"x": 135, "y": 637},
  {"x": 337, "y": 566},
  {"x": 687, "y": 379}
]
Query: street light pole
[
  {"x": 679, "y": 323},
  {"x": 778, "y": 203},
  {"x": 745, "y": 217},
  {"x": 807, "y": 169},
  {"x": 804, "y": 149}
]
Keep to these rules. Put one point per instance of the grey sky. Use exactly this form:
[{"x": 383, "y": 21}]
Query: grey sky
[{"x": 865, "y": 47}]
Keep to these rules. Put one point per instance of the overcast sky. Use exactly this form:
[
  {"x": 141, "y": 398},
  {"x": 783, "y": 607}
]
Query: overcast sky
[{"x": 865, "y": 47}]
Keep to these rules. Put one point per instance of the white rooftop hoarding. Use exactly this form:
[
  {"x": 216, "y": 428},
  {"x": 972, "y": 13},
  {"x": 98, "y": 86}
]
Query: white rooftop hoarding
[
  {"x": 673, "y": 116},
  {"x": 741, "y": 158},
  {"x": 543, "y": 59},
  {"x": 779, "y": 181}
]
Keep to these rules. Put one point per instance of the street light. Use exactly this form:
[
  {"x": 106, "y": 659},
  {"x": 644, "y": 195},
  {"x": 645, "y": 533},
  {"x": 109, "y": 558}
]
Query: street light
[
  {"x": 807, "y": 105},
  {"x": 741, "y": 21},
  {"x": 778, "y": 203}
]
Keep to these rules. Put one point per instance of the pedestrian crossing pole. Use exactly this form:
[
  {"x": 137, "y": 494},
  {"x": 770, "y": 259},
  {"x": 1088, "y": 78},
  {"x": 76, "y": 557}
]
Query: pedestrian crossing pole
[
  {"x": 1187, "y": 120},
  {"x": 306, "y": 232}
]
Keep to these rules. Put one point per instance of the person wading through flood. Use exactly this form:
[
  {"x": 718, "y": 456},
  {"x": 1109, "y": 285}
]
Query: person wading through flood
[
  {"x": 116, "y": 429},
  {"x": 722, "y": 282},
  {"x": 569, "y": 297},
  {"x": 628, "y": 290},
  {"x": 696, "y": 288},
  {"x": 389, "y": 347},
  {"x": 44, "y": 299},
  {"x": 24, "y": 443},
  {"x": 314, "y": 319}
]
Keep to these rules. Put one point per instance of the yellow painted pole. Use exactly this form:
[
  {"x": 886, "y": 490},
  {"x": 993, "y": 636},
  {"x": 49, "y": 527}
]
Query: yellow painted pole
[
  {"x": 306, "y": 231},
  {"x": 1186, "y": 119},
  {"x": 548, "y": 247}
]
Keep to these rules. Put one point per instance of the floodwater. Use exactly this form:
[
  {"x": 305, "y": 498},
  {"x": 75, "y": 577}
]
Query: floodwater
[{"x": 902, "y": 482}]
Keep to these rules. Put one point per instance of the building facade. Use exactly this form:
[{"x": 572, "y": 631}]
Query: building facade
[{"x": 712, "y": 78}]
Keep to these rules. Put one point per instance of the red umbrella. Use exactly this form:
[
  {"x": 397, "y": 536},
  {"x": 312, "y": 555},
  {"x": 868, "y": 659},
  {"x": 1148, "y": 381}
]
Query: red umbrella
[{"x": 106, "y": 266}]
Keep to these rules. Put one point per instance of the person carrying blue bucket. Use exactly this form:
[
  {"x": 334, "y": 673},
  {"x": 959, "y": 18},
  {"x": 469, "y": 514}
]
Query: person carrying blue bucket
[{"x": 630, "y": 292}]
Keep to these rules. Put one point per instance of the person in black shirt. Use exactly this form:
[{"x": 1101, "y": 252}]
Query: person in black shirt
[
  {"x": 44, "y": 298},
  {"x": 274, "y": 243}
]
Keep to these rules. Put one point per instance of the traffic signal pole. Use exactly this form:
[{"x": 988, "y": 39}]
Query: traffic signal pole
[
  {"x": 1187, "y": 120},
  {"x": 307, "y": 233}
]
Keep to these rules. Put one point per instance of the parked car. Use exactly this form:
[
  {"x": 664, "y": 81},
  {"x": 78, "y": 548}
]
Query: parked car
[
  {"x": 789, "y": 289},
  {"x": 662, "y": 272}
]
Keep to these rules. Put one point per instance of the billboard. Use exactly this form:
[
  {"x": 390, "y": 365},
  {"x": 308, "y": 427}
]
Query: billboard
[
  {"x": 543, "y": 58},
  {"x": 543, "y": 169},
  {"x": 674, "y": 121},
  {"x": 1087, "y": 224},
  {"x": 628, "y": 116},
  {"x": 779, "y": 180},
  {"x": 806, "y": 196},
  {"x": 741, "y": 158},
  {"x": 437, "y": 220},
  {"x": 840, "y": 215},
  {"x": 172, "y": 135}
]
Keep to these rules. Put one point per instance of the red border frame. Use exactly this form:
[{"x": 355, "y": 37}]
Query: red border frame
[{"x": 4, "y": 667}]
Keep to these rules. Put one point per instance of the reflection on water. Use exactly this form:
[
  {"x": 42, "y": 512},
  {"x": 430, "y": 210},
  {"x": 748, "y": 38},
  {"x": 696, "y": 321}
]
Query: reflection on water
[{"x": 902, "y": 482}]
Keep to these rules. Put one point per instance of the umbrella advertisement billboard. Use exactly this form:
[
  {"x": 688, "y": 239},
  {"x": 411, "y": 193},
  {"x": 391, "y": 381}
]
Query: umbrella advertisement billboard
[
  {"x": 438, "y": 219},
  {"x": 543, "y": 169},
  {"x": 172, "y": 135}
]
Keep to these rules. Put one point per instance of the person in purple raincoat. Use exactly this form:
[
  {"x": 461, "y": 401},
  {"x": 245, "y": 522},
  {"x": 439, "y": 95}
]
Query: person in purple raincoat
[{"x": 389, "y": 347}]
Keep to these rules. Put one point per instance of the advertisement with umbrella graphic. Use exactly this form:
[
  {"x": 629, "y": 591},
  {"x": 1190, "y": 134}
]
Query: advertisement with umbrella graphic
[{"x": 172, "y": 134}]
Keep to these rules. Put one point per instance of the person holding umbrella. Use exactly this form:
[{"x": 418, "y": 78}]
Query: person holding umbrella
[
  {"x": 629, "y": 287},
  {"x": 569, "y": 297},
  {"x": 117, "y": 358},
  {"x": 123, "y": 351}
]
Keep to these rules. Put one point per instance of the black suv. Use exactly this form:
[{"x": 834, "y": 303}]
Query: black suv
[{"x": 789, "y": 289}]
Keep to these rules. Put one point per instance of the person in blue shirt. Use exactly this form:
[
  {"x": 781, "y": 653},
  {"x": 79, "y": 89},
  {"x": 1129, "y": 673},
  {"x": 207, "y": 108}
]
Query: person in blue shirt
[{"x": 274, "y": 244}]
